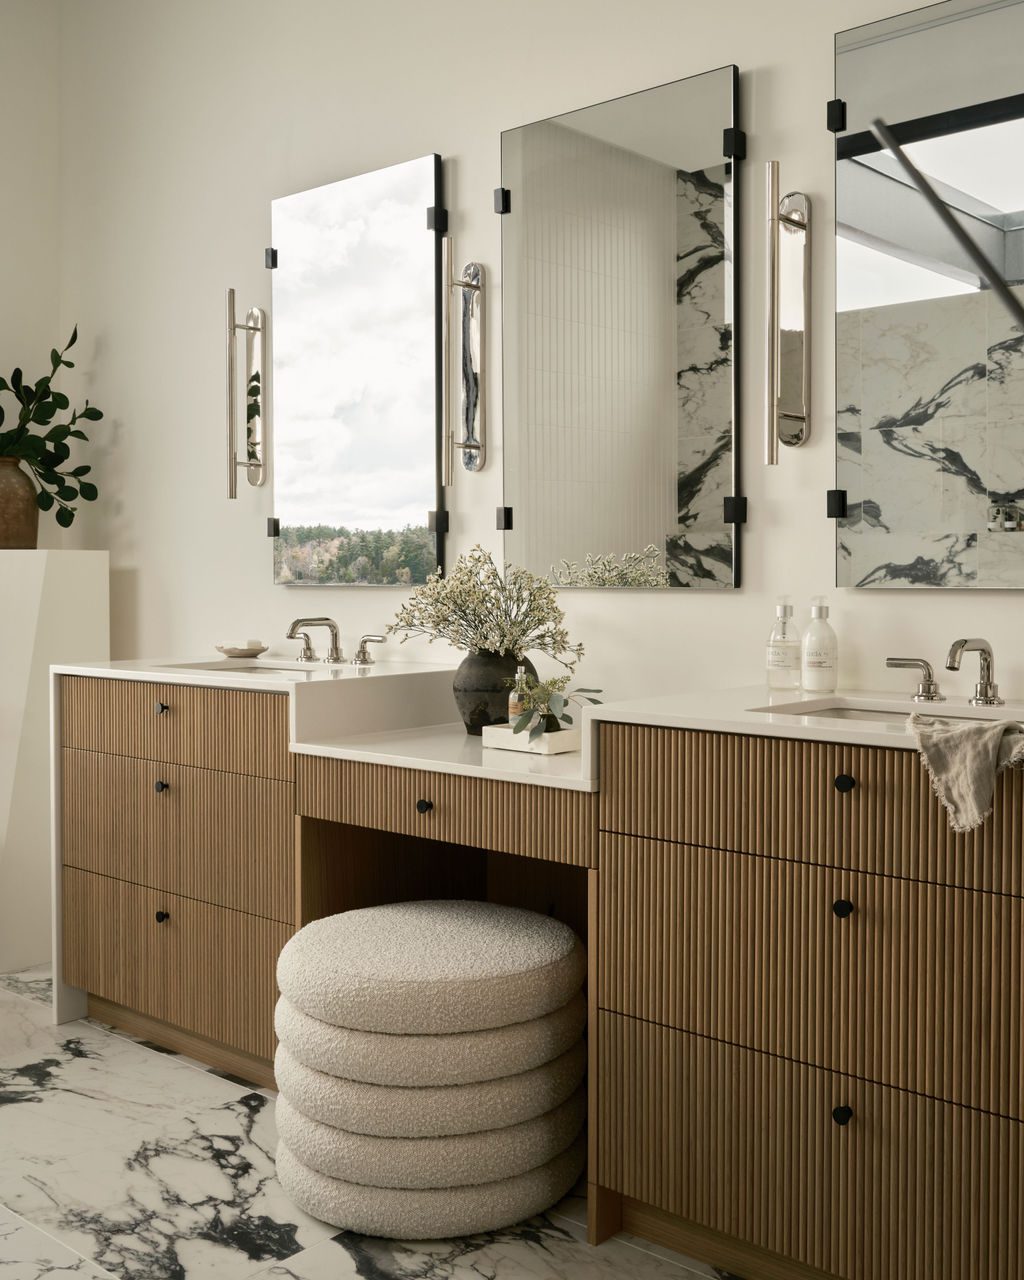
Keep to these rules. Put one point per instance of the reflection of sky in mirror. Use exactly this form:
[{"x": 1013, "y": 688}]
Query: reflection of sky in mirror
[{"x": 353, "y": 341}]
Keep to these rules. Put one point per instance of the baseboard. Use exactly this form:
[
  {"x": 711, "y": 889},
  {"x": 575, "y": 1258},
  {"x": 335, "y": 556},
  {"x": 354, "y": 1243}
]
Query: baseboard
[
  {"x": 711, "y": 1247},
  {"x": 253, "y": 1070}
]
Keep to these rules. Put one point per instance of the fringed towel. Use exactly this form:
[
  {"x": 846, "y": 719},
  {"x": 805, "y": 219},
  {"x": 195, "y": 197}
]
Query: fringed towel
[{"x": 963, "y": 758}]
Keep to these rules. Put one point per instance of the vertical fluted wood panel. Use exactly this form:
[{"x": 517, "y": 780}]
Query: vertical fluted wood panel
[
  {"x": 776, "y": 796},
  {"x": 745, "y": 1143},
  {"x": 551, "y": 823},
  {"x": 206, "y": 969},
  {"x": 919, "y": 988},
  {"x": 219, "y": 837},
  {"x": 234, "y": 730}
]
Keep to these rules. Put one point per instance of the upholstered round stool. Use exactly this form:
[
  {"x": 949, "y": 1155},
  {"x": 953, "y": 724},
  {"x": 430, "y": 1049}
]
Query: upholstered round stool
[{"x": 430, "y": 1067}]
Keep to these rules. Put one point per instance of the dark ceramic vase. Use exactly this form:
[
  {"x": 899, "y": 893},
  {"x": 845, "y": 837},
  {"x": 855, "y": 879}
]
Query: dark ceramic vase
[
  {"x": 19, "y": 511},
  {"x": 481, "y": 687}
]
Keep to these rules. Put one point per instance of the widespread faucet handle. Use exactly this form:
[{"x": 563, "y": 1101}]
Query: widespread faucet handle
[
  {"x": 362, "y": 658},
  {"x": 307, "y": 653},
  {"x": 927, "y": 688}
]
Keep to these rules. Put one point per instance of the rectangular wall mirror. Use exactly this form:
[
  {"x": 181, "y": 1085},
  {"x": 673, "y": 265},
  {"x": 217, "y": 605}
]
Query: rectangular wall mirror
[
  {"x": 929, "y": 364},
  {"x": 619, "y": 353},
  {"x": 355, "y": 336}
]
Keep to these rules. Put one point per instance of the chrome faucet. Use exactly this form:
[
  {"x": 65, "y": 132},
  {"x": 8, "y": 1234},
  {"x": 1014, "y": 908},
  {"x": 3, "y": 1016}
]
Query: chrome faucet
[
  {"x": 986, "y": 691},
  {"x": 362, "y": 658},
  {"x": 927, "y": 686},
  {"x": 297, "y": 631}
]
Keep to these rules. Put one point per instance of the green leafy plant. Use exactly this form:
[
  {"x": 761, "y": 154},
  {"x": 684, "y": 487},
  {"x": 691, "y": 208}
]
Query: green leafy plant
[
  {"x": 546, "y": 704},
  {"x": 42, "y": 444}
]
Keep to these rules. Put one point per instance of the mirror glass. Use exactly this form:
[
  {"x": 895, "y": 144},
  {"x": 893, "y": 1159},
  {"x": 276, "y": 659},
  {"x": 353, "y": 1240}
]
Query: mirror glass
[
  {"x": 929, "y": 363},
  {"x": 618, "y": 343},
  {"x": 355, "y": 341}
]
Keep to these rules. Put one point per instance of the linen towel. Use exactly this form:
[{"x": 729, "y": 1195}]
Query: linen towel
[{"x": 963, "y": 758}]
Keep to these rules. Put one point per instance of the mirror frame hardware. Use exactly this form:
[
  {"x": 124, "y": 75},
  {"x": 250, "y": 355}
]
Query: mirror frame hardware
[
  {"x": 788, "y": 215},
  {"x": 273, "y": 527},
  {"x": 734, "y": 510},
  {"x": 438, "y": 522},
  {"x": 473, "y": 445},
  {"x": 836, "y": 506},
  {"x": 835, "y": 116},
  {"x": 734, "y": 143},
  {"x": 503, "y": 518},
  {"x": 502, "y": 200},
  {"x": 254, "y": 464},
  {"x": 270, "y": 258}
]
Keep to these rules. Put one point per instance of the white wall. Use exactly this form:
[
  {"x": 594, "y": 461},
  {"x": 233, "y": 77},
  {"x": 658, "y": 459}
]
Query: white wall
[{"x": 180, "y": 123}]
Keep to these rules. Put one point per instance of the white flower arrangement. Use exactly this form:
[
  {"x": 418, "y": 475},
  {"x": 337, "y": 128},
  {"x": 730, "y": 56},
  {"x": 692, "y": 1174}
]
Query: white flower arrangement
[
  {"x": 636, "y": 569},
  {"x": 477, "y": 608}
]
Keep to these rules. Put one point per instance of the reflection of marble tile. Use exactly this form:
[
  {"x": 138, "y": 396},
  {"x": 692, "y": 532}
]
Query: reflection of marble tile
[
  {"x": 35, "y": 983},
  {"x": 1000, "y": 559},
  {"x": 703, "y": 380},
  {"x": 880, "y": 559},
  {"x": 700, "y": 559},
  {"x": 28, "y": 1254},
  {"x": 1006, "y": 462},
  {"x": 705, "y": 479},
  {"x": 964, "y": 473},
  {"x": 1005, "y": 363},
  {"x": 194, "y": 1200}
]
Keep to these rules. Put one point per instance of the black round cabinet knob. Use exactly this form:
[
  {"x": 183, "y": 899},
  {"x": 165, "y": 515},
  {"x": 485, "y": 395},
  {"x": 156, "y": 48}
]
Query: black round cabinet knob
[
  {"x": 160, "y": 707},
  {"x": 161, "y": 786},
  {"x": 842, "y": 1115},
  {"x": 424, "y": 806},
  {"x": 843, "y": 908},
  {"x": 845, "y": 782},
  {"x": 161, "y": 916}
]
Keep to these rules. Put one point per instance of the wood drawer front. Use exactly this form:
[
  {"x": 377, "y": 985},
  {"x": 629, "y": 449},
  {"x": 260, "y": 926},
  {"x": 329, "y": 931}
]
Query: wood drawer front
[
  {"x": 219, "y": 837},
  {"x": 538, "y": 822},
  {"x": 745, "y": 1144},
  {"x": 920, "y": 988},
  {"x": 777, "y": 796},
  {"x": 229, "y": 729},
  {"x": 205, "y": 969}
]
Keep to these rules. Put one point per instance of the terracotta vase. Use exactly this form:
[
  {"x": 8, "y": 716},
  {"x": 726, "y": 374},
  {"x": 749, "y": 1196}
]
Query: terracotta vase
[
  {"x": 481, "y": 687},
  {"x": 19, "y": 514}
]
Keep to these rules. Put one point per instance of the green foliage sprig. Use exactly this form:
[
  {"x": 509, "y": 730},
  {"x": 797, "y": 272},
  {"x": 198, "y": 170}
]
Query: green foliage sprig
[
  {"x": 41, "y": 443},
  {"x": 546, "y": 704}
]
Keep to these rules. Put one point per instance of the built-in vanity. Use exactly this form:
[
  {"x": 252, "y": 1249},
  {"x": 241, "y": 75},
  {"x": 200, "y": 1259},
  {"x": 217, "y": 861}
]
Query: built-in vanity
[{"x": 805, "y": 992}]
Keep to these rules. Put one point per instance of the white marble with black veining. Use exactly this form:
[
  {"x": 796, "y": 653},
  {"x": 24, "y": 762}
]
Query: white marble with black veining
[
  {"x": 930, "y": 422},
  {"x": 116, "y": 1160},
  {"x": 699, "y": 553},
  {"x": 35, "y": 983}
]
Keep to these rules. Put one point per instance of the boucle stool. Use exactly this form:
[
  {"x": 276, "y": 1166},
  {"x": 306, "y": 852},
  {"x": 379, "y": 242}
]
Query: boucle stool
[{"x": 425, "y": 968}]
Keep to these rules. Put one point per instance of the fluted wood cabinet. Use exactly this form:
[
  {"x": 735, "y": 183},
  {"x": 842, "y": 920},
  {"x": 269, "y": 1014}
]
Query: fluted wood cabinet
[{"x": 812, "y": 1010}]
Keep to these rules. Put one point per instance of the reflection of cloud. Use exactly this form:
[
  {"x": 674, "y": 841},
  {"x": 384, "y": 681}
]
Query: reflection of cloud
[{"x": 353, "y": 340}]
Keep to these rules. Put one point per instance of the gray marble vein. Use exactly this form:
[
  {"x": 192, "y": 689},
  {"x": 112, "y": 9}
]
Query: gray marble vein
[{"x": 34, "y": 984}]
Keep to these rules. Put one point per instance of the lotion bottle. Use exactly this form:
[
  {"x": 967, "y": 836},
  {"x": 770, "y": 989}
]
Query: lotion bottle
[
  {"x": 783, "y": 654},
  {"x": 819, "y": 651},
  {"x": 517, "y": 698}
]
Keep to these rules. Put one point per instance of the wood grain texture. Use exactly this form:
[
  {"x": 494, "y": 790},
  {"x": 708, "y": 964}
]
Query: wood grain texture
[
  {"x": 776, "y": 796},
  {"x": 919, "y": 988},
  {"x": 233, "y": 730},
  {"x": 205, "y": 969},
  {"x": 745, "y": 1144},
  {"x": 253, "y": 1070},
  {"x": 219, "y": 837},
  {"x": 535, "y": 822}
]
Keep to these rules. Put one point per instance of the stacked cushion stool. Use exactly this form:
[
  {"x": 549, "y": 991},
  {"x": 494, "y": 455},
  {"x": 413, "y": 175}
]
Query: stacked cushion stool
[{"x": 430, "y": 1067}]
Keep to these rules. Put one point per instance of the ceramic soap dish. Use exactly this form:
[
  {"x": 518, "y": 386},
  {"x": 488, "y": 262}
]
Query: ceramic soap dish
[{"x": 251, "y": 649}]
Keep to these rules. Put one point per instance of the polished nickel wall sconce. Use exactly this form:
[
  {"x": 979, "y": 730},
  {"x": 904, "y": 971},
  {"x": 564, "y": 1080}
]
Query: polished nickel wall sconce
[
  {"x": 788, "y": 338},
  {"x": 255, "y": 461},
  {"x": 473, "y": 443}
]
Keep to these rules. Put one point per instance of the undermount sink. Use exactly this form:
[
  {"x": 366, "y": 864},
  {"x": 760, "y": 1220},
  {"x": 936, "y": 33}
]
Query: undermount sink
[{"x": 863, "y": 710}]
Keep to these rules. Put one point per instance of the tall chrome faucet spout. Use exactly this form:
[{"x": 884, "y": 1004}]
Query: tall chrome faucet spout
[{"x": 986, "y": 691}]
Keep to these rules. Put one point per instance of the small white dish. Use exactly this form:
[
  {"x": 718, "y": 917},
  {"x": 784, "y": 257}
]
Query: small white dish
[
  {"x": 251, "y": 649},
  {"x": 502, "y": 737}
]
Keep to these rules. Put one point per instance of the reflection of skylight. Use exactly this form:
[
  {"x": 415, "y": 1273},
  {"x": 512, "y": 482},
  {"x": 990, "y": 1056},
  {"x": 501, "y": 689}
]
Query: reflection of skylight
[
  {"x": 866, "y": 277},
  {"x": 981, "y": 162}
]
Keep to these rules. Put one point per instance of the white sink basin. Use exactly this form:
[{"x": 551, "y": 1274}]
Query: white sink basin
[{"x": 879, "y": 711}]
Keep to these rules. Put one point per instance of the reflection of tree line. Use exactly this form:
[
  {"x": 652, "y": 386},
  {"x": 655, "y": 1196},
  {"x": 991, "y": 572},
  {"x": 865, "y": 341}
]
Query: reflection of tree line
[{"x": 326, "y": 554}]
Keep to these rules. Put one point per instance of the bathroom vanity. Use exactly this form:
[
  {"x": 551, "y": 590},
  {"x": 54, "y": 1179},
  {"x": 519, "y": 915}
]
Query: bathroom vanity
[{"x": 805, "y": 991}]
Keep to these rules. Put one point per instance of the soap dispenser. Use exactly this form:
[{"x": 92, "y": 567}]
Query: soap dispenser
[
  {"x": 783, "y": 654},
  {"x": 819, "y": 651}
]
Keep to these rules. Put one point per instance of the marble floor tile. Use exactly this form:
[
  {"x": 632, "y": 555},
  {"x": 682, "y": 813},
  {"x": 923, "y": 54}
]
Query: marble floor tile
[
  {"x": 35, "y": 983},
  {"x": 28, "y": 1254},
  {"x": 194, "y": 1200}
]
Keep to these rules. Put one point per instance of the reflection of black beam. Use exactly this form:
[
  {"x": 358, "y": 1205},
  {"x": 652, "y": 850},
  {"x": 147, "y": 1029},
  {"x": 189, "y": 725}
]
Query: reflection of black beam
[
  {"x": 939, "y": 125},
  {"x": 997, "y": 282}
]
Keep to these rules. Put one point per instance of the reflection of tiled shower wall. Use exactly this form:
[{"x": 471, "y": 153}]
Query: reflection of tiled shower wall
[
  {"x": 930, "y": 399},
  {"x": 591, "y": 457}
]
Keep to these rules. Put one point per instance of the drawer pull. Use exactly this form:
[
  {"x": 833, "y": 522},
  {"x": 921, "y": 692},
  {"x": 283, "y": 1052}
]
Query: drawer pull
[
  {"x": 160, "y": 707},
  {"x": 162, "y": 916},
  {"x": 161, "y": 786},
  {"x": 842, "y": 1115},
  {"x": 424, "y": 806},
  {"x": 845, "y": 782},
  {"x": 843, "y": 908}
]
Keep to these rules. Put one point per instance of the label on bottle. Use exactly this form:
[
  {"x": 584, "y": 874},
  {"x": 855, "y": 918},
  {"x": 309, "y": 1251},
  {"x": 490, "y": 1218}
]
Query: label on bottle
[
  {"x": 819, "y": 659},
  {"x": 783, "y": 657}
]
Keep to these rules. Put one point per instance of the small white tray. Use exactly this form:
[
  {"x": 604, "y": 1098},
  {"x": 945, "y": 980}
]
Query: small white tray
[{"x": 501, "y": 737}]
